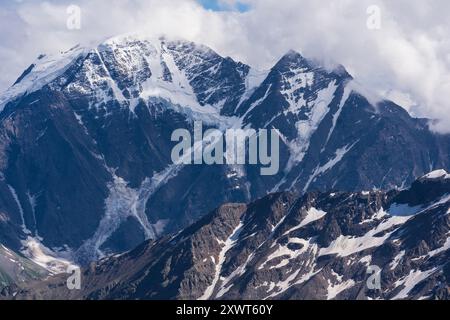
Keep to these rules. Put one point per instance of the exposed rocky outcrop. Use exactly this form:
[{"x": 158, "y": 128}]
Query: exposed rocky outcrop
[{"x": 283, "y": 246}]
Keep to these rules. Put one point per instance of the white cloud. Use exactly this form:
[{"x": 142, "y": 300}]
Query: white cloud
[{"x": 407, "y": 59}]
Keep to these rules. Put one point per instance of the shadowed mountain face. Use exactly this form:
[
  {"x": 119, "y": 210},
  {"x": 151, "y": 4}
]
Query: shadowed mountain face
[
  {"x": 370, "y": 245},
  {"x": 85, "y": 142}
]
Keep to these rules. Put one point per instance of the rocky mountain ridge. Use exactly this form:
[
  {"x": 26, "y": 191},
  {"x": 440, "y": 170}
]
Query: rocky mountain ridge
[{"x": 284, "y": 246}]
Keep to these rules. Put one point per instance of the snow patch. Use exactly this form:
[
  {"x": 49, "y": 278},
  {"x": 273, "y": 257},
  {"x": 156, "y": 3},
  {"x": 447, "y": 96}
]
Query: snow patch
[
  {"x": 54, "y": 261},
  {"x": 397, "y": 260},
  {"x": 253, "y": 80},
  {"x": 45, "y": 70},
  {"x": 284, "y": 251},
  {"x": 345, "y": 96},
  {"x": 335, "y": 289},
  {"x": 445, "y": 247},
  {"x": 306, "y": 128},
  {"x": 21, "y": 212},
  {"x": 438, "y": 174},
  {"x": 380, "y": 214},
  {"x": 339, "y": 155},
  {"x": 124, "y": 202},
  {"x": 313, "y": 214},
  {"x": 366, "y": 260},
  {"x": 292, "y": 279},
  {"x": 410, "y": 281},
  {"x": 345, "y": 246},
  {"x": 226, "y": 246},
  {"x": 401, "y": 209}
]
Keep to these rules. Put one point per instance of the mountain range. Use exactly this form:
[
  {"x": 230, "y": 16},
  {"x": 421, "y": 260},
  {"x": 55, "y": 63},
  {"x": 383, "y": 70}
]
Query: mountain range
[
  {"x": 85, "y": 151},
  {"x": 284, "y": 246}
]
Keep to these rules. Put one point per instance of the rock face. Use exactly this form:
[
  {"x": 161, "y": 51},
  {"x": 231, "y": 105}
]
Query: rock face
[
  {"x": 85, "y": 141},
  {"x": 316, "y": 246}
]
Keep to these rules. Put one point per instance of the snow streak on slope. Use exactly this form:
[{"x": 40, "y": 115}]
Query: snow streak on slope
[
  {"x": 410, "y": 281},
  {"x": 299, "y": 275},
  {"x": 112, "y": 85},
  {"x": 335, "y": 289},
  {"x": 291, "y": 86},
  {"x": 33, "y": 249},
  {"x": 288, "y": 254},
  {"x": 124, "y": 202},
  {"x": 404, "y": 209},
  {"x": 345, "y": 246},
  {"x": 444, "y": 248},
  {"x": 178, "y": 90},
  {"x": 19, "y": 206},
  {"x": 227, "y": 282},
  {"x": 398, "y": 258},
  {"x": 306, "y": 128},
  {"x": 253, "y": 80},
  {"x": 345, "y": 96},
  {"x": 313, "y": 214},
  {"x": 226, "y": 246},
  {"x": 339, "y": 155},
  {"x": 257, "y": 103}
]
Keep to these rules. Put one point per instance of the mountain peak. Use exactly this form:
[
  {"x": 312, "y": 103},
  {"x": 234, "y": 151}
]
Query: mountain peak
[
  {"x": 295, "y": 60},
  {"x": 131, "y": 66},
  {"x": 44, "y": 70},
  {"x": 293, "y": 54}
]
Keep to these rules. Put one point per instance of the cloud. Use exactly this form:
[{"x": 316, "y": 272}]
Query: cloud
[
  {"x": 35, "y": 27},
  {"x": 407, "y": 59}
]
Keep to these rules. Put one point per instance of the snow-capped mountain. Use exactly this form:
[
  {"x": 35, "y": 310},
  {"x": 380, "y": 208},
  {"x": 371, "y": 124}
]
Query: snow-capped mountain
[
  {"x": 283, "y": 246},
  {"x": 85, "y": 141}
]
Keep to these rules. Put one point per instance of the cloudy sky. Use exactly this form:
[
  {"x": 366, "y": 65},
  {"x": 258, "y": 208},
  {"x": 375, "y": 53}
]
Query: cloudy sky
[{"x": 403, "y": 55}]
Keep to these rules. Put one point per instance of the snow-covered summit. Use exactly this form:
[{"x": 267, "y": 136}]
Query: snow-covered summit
[
  {"x": 295, "y": 60},
  {"x": 133, "y": 67},
  {"x": 44, "y": 70}
]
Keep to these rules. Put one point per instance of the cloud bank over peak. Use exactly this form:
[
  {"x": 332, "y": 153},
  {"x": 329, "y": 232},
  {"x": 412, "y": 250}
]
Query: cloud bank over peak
[{"x": 406, "y": 59}]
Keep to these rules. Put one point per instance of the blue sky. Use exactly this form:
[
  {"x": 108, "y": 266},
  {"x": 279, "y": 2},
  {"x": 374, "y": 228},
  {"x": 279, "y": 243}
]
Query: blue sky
[{"x": 216, "y": 5}]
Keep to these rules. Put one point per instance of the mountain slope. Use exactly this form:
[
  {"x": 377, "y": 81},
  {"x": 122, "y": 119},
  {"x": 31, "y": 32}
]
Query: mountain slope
[
  {"x": 334, "y": 136},
  {"x": 317, "y": 246},
  {"x": 17, "y": 271},
  {"x": 85, "y": 141}
]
